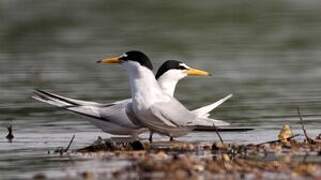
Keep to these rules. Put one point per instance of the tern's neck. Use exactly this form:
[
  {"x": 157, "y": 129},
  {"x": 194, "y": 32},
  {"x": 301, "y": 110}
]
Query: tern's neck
[
  {"x": 168, "y": 85},
  {"x": 144, "y": 88}
]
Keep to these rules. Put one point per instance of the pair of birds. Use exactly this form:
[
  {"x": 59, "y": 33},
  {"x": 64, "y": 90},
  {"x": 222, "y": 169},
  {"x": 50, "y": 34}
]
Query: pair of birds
[{"x": 152, "y": 106}]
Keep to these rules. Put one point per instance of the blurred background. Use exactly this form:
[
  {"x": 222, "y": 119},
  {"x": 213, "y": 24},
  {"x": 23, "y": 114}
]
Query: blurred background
[{"x": 267, "y": 53}]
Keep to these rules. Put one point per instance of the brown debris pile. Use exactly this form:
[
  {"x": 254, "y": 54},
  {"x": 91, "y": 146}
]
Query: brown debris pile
[
  {"x": 286, "y": 158},
  {"x": 185, "y": 166},
  {"x": 111, "y": 145}
]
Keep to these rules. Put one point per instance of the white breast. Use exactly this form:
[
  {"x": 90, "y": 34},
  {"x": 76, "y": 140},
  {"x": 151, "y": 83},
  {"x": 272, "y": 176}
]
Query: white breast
[{"x": 145, "y": 89}]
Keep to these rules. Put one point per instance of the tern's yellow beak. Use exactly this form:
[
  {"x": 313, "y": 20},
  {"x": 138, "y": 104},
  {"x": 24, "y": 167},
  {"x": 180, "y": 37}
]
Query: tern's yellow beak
[
  {"x": 114, "y": 60},
  {"x": 197, "y": 72}
]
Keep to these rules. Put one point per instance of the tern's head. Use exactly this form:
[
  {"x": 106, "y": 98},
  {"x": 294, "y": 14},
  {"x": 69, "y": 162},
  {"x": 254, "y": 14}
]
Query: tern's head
[
  {"x": 174, "y": 69},
  {"x": 135, "y": 58}
]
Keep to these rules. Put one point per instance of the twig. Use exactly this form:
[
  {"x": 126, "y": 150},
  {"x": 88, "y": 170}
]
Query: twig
[
  {"x": 308, "y": 139},
  {"x": 62, "y": 150},
  {"x": 218, "y": 134},
  {"x": 70, "y": 142},
  {"x": 275, "y": 141}
]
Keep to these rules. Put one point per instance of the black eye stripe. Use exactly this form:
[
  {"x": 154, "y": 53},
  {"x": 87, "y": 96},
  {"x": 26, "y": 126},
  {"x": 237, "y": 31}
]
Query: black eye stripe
[
  {"x": 170, "y": 65},
  {"x": 181, "y": 67}
]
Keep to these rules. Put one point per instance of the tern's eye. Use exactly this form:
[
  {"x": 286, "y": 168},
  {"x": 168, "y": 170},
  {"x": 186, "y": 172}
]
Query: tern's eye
[
  {"x": 123, "y": 57},
  {"x": 181, "y": 67}
]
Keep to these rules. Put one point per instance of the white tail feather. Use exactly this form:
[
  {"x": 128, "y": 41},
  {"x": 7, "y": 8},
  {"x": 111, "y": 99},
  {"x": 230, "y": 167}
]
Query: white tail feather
[{"x": 203, "y": 112}]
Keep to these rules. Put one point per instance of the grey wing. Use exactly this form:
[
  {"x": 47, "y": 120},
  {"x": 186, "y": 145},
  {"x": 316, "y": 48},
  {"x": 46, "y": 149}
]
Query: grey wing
[
  {"x": 116, "y": 113},
  {"x": 113, "y": 113},
  {"x": 126, "y": 101},
  {"x": 58, "y": 100},
  {"x": 172, "y": 113},
  {"x": 131, "y": 115}
]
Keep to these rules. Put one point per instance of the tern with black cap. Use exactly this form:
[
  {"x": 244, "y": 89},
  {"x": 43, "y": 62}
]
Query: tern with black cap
[
  {"x": 152, "y": 107},
  {"x": 112, "y": 118}
]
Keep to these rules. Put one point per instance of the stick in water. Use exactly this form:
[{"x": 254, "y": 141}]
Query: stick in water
[
  {"x": 70, "y": 142},
  {"x": 308, "y": 139},
  {"x": 218, "y": 134}
]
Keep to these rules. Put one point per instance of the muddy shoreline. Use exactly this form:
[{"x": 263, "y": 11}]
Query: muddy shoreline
[{"x": 291, "y": 157}]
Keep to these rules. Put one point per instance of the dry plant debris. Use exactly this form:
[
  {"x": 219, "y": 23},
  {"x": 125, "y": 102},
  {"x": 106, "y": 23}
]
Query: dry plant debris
[
  {"x": 285, "y": 133},
  {"x": 283, "y": 158}
]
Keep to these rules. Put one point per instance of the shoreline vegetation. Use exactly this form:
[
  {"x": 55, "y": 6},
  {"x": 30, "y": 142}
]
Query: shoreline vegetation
[{"x": 288, "y": 157}]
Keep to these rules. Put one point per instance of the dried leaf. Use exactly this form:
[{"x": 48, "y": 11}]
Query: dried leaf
[{"x": 285, "y": 133}]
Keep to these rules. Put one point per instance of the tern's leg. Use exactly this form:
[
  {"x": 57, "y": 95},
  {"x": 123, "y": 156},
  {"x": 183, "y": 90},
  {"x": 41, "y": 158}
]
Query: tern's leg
[
  {"x": 151, "y": 136},
  {"x": 171, "y": 138}
]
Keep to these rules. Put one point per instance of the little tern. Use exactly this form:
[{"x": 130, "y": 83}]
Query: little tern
[
  {"x": 152, "y": 107},
  {"x": 111, "y": 118}
]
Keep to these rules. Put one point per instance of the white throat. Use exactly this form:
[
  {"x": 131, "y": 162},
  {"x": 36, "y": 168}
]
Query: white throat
[{"x": 169, "y": 80}]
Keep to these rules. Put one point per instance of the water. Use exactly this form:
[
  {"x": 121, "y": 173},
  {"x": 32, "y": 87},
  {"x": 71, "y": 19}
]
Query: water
[{"x": 266, "y": 53}]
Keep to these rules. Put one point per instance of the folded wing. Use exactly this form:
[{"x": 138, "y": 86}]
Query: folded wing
[{"x": 113, "y": 112}]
